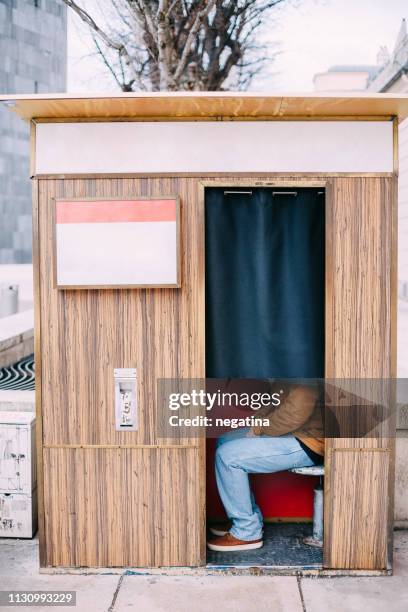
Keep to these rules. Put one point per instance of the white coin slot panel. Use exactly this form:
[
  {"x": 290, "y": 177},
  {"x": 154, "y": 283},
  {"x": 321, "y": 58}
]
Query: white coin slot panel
[{"x": 125, "y": 399}]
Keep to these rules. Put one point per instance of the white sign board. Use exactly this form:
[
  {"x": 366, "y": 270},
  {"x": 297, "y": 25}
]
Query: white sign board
[{"x": 116, "y": 243}]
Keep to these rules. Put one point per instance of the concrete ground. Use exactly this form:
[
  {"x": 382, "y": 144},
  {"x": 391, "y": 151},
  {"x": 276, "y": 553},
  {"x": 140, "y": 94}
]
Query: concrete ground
[{"x": 156, "y": 593}]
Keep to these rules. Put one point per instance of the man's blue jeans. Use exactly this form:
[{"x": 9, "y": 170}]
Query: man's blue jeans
[{"x": 237, "y": 456}]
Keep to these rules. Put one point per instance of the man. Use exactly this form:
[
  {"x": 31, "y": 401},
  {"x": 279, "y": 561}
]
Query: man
[{"x": 293, "y": 438}]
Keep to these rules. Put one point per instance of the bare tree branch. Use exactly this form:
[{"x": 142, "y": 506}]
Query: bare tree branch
[
  {"x": 201, "y": 15},
  {"x": 109, "y": 42},
  {"x": 145, "y": 12},
  {"x": 172, "y": 6},
  {"x": 166, "y": 78},
  {"x": 86, "y": 18},
  {"x": 180, "y": 44},
  {"x": 120, "y": 82}
]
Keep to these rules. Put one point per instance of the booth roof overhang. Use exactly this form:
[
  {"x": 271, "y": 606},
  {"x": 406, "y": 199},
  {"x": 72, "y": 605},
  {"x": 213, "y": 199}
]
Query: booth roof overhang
[{"x": 211, "y": 105}]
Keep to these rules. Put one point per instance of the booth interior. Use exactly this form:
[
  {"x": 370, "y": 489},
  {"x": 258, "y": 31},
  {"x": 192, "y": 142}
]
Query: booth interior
[{"x": 265, "y": 287}]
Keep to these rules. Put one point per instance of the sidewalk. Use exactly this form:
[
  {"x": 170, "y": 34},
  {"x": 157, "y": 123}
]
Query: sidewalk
[{"x": 155, "y": 593}]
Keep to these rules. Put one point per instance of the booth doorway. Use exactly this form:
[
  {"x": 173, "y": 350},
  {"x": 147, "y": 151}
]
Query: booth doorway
[{"x": 265, "y": 304}]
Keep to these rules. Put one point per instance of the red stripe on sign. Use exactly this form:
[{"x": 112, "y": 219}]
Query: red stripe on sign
[{"x": 115, "y": 211}]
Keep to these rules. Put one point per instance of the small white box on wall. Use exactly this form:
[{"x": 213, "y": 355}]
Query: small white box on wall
[
  {"x": 18, "y": 476},
  {"x": 18, "y": 515}
]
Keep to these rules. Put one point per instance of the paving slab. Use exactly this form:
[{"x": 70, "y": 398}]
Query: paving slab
[
  {"x": 93, "y": 593},
  {"x": 19, "y": 570},
  {"x": 18, "y": 557},
  {"x": 386, "y": 593},
  {"x": 209, "y": 593},
  {"x": 383, "y": 594},
  {"x": 401, "y": 554}
]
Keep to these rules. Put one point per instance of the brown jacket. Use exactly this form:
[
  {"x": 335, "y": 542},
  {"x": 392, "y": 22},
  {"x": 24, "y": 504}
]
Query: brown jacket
[{"x": 299, "y": 413}]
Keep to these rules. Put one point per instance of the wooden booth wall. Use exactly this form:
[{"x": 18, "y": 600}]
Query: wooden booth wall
[
  {"x": 360, "y": 343},
  {"x": 127, "y": 499},
  {"x": 140, "y": 504}
]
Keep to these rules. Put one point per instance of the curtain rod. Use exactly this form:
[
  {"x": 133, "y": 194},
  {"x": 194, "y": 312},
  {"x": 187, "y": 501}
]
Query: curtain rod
[
  {"x": 284, "y": 193},
  {"x": 294, "y": 193},
  {"x": 241, "y": 192}
]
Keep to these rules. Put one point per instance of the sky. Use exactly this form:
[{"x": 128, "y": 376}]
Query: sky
[{"x": 309, "y": 35}]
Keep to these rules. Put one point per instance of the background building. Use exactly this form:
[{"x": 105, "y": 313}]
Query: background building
[
  {"x": 33, "y": 49},
  {"x": 344, "y": 78}
]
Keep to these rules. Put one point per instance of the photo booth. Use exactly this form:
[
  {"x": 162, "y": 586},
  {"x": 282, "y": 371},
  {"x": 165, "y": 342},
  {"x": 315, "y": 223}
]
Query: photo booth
[{"x": 185, "y": 235}]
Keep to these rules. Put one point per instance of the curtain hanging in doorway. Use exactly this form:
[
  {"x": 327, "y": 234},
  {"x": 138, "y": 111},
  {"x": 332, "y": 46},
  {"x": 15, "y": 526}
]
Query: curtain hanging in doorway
[{"x": 264, "y": 284}]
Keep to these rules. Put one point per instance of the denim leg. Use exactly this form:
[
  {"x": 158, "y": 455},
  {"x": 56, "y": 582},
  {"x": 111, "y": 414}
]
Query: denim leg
[
  {"x": 237, "y": 456},
  {"x": 234, "y": 434},
  {"x": 255, "y": 508},
  {"x": 237, "y": 435}
]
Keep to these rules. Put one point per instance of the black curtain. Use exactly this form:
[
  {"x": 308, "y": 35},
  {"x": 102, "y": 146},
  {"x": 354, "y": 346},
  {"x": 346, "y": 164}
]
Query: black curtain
[{"x": 264, "y": 284}]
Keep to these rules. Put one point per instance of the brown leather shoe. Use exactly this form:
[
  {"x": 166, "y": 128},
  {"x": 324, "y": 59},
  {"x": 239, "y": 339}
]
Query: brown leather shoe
[
  {"x": 229, "y": 543},
  {"x": 221, "y": 529}
]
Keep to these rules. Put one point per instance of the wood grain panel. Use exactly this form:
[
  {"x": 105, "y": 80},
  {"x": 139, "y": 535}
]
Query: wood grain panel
[
  {"x": 358, "y": 538},
  {"x": 359, "y": 344},
  {"x": 38, "y": 385},
  {"x": 109, "y": 507},
  {"x": 88, "y": 333},
  {"x": 359, "y": 315},
  {"x": 118, "y": 506},
  {"x": 360, "y": 245}
]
